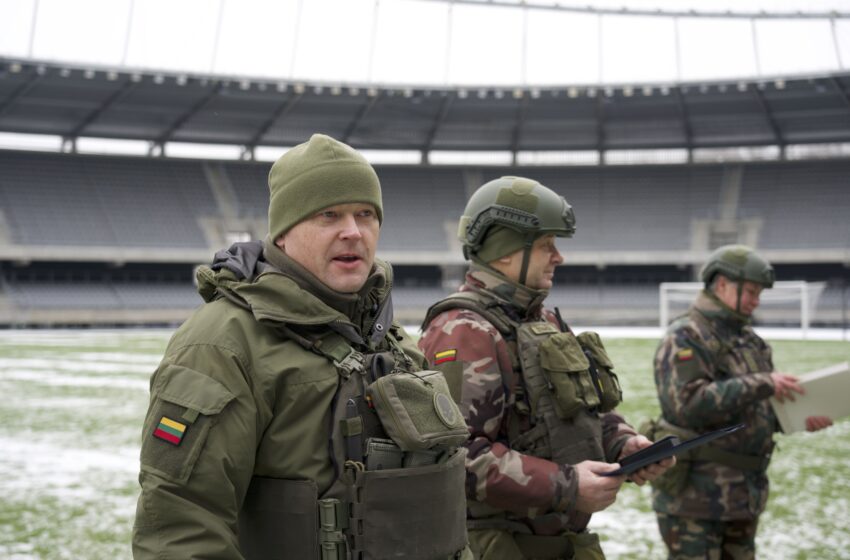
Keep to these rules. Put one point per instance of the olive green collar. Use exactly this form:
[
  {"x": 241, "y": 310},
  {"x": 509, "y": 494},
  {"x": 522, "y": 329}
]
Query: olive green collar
[
  {"x": 490, "y": 281},
  {"x": 283, "y": 292},
  {"x": 352, "y": 305},
  {"x": 709, "y": 305}
]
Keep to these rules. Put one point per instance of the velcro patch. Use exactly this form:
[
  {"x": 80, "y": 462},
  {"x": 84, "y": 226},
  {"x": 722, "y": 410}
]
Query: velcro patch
[
  {"x": 445, "y": 356},
  {"x": 170, "y": 430},
  {"x": 684, "y": 355}
]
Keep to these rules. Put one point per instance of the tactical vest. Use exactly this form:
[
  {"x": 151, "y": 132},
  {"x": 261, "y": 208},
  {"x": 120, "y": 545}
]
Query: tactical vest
[
  {"x": 565, "y": 381},
  {"x": 394, "y": 443}
]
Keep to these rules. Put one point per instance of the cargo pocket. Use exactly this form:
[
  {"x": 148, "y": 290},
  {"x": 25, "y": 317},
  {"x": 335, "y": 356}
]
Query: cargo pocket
[
  {"x": 609, "y": 384},
  {"x": 566, "y": 368},
  {"x": 185, "y": 405}
]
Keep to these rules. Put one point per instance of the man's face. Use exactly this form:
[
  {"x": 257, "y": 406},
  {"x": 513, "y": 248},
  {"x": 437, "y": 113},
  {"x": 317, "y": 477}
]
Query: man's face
[
  {"x": 337, "y": 245},
  {"x": 541, "y": 265},
  {"x": 727, "y": 292}
]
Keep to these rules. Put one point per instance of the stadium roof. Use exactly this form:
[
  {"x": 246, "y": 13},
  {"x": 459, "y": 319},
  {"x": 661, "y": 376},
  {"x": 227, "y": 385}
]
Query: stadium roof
[{"x": 75, "y": 101}]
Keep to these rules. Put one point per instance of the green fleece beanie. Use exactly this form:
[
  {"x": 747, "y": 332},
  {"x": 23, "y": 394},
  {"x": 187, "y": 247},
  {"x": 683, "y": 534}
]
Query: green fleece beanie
[
  {"x": 500, "y": 241},
  {"x": 317, "y": 174}
]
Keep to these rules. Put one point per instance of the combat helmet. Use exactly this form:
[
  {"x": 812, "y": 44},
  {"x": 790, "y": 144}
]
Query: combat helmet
[
  {"x": 738, "y": 263},
  {"x": 517, "y": 203}
]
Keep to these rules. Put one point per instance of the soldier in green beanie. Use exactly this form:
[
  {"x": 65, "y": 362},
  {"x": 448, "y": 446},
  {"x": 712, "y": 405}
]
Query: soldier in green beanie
[{"x": 289, "y": 417}]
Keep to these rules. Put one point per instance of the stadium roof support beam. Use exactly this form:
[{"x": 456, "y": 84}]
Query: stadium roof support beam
[
  {"x": 845, "y": 96},
  {"x": 771, "y": 120},
  {"x": 600, "y": 126},
  {"x": 125, "y": 88},
  {"x": 186, "y": 115},
  {"x": 361, "y": 114},
  {"x": 687, "y": 129},
  {"x": 519, "y": 123},
  {"x": 283, "y": 109},
  {"x": 445, "y": 105},
  {"x": 20, "y": 92}
]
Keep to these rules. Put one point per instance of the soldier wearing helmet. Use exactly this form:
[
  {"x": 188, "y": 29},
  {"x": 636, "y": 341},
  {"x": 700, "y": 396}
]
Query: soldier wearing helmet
[
  {"x": 538, "y": 400},
  {"x": 712, "y": 370}
]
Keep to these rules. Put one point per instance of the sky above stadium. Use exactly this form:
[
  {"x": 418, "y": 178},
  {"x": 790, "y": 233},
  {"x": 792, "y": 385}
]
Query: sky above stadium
[{"x": 430, "y": 42}]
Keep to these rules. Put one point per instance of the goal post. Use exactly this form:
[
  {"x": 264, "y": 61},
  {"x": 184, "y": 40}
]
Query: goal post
[{"x": 787, "y": 301}]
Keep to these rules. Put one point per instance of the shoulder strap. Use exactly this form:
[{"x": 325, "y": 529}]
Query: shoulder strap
[
  {"x": 473, "y": 302},
  {"x": 332, "y": 346}
]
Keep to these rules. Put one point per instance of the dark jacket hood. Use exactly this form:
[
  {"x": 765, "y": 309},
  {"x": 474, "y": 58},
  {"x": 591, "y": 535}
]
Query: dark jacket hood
[{"x": 243, "y": 275}]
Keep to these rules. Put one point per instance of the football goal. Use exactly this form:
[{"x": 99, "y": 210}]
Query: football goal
[{"x": 789, "y": 302}]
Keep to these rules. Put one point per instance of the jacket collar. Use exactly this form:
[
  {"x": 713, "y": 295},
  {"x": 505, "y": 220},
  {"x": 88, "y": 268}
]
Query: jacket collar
[
  {"x": 277, "y": 290},
  {"x": 710, "y": 306},
  {"x": 526, "y": 302}
]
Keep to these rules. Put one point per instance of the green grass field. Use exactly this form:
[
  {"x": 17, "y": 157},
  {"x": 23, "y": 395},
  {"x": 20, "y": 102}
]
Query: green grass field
[{"x": 73, "y": 401}]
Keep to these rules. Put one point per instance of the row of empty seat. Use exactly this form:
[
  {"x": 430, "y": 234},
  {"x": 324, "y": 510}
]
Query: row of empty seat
[{"x": 72, "y": 200}]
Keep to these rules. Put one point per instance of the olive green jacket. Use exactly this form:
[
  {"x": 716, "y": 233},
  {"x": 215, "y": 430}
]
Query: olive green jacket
[{"x": 236, "y": 397}]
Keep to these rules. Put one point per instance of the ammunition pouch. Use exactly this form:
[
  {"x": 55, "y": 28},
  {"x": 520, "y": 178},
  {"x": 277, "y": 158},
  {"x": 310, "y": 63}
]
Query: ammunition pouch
[
  {"x": 609, "y": 385},
  {"x": 580, "y": 373}
]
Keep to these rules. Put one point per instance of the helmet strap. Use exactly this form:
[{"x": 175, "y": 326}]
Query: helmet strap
[
  {"x": 526, "y": 258},
  {"x": 740, "y": 292}
]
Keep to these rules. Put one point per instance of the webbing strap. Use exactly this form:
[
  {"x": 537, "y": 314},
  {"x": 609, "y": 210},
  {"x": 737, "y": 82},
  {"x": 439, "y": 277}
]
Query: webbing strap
[
  {"x": 473, "y": 302},
  {"x": 524, "y": 441},
  {"x": 735, "y": 460}
]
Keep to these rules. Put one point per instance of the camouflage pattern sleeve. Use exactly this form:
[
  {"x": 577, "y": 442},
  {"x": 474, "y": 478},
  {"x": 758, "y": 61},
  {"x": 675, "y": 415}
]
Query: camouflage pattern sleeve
[
  {"x": 615, "y": 432},
  {"x": 463, "y": 344},
  {"x": 693, "y": 394}
]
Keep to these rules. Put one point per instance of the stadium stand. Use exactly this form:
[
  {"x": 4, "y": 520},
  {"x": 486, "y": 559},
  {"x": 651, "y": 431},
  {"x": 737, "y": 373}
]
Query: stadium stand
[
  {"x": 628, "y": 217},
  {"x": 90, "y": 239}
]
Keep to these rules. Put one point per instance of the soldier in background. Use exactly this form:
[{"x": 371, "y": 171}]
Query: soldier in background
[
  {"x": 711, "y": 371},
  {"x": 539, "y": 401},
  {"x": 261, "y": 441}
]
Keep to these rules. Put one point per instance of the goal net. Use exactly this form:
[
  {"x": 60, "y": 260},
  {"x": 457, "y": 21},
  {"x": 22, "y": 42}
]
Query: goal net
[{"x": 787, "y": 303}]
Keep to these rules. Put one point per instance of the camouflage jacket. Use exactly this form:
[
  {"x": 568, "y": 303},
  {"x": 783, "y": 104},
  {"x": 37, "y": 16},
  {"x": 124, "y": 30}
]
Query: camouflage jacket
[
  {"x": 502, "y": 482},
  {"x": 711, "y": 371}
]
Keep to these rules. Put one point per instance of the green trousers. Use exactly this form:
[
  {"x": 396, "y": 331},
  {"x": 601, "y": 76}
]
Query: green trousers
[{"x": 706, "y": 539}]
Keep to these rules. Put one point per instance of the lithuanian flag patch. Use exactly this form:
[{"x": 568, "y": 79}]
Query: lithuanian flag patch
[
  {"x": 445, "y": 356},
  {"x": 684, "y": 354},
  {"x": 170, "y": 430}
]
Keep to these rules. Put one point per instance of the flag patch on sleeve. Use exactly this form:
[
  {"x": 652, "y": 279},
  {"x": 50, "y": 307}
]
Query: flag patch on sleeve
[
  {"x": 170, "y": 430},
  {"x": 684, "y": 355},
  {"x": 445, "y": 356}
]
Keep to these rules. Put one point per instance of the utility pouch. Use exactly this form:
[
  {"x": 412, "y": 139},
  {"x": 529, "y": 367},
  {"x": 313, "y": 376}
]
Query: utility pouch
[
  {"x": 609, "y": 384},
  {"x": 383, "y": 454},
  {"x": 568, "y": 372},
  {"x": 417, "y": 410},
  {"x": 416, "y": 512}
]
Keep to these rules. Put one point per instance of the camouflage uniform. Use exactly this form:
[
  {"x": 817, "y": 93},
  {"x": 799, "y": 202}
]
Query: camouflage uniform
[
  {"x": 712, "y": 370},
  {"x": 508, "y": 490}
]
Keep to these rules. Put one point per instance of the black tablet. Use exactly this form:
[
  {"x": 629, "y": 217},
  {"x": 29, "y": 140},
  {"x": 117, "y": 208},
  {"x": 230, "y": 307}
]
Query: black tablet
[{"x": 666, "y": 447}]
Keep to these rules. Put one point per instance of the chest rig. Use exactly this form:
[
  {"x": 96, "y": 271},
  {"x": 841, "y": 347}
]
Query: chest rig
[
  {"x": 399, "y": 486},
  {"x": 565, "y": 381}
]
